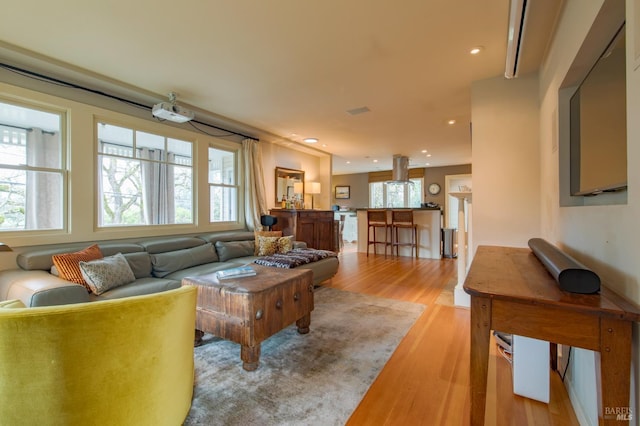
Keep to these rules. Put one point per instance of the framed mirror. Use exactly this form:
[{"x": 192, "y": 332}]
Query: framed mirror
[{"x": 289, "y": 183}]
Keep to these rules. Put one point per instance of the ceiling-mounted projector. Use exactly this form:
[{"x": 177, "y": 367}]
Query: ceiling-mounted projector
[{"x": 172, "y": 112}]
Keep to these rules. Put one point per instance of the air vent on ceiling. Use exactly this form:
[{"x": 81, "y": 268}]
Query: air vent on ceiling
[{"x": 356, "y": 111}]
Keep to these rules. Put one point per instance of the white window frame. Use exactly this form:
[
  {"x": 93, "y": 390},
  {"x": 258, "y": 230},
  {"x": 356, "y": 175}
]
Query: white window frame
[
  {"x": 237, "y": 186},
  {"x": 62, "y": 170},
  {"x": 163, "y": 133},
  {"x": 374, "y": 185}
]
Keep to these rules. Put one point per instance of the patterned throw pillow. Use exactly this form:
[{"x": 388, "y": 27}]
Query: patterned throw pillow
[
  {"x": 107, "y": 273},
  {"x": 264, "y": 234},
  {"x": 68, "y": 264},
  {"x": 285, "y": 244},
  {"x": 272, "y": 245}
]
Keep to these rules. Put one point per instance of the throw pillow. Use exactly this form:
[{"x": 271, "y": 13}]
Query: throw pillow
[
  {"x": 264, "y": 234},
  {"x": 68, "y": 264},
  {"x": 272, "y": 245},
  {"x": 285, "y": 244},
  {"x": 107, "y": 273}
]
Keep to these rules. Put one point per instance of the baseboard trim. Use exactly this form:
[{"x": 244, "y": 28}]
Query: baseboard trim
[{"x": 577, "y": 407}]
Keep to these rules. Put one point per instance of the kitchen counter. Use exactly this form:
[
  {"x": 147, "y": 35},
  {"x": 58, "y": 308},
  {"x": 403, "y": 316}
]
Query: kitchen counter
[{"x": 429, "y": 232}]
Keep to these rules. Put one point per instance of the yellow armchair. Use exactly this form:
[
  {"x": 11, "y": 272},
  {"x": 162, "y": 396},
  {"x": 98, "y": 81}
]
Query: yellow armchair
[{"x": 117, "y": 362}]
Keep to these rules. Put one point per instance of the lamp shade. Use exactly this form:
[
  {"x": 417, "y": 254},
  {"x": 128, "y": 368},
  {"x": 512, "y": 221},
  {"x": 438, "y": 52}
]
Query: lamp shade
[
  {"x": 298, "y": 187},
  {"x": 313, "y": 188}
]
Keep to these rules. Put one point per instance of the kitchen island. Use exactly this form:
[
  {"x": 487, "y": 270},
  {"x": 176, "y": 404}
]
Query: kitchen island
[{"x": 429, "y": 223}]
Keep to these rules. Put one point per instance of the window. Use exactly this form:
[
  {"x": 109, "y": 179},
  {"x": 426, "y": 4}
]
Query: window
[
  {"x": 383, "y": 194},
  {"x": 223, "y": 185},
  {"x": 144, "y": 178},
  {"x": 32, "y": 173}
]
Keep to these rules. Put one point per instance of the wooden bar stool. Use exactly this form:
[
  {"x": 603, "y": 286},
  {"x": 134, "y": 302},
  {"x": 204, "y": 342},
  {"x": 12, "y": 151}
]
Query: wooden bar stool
[
  {"x": 377, "y": 219},
  {"x": 403, "y": 219}
]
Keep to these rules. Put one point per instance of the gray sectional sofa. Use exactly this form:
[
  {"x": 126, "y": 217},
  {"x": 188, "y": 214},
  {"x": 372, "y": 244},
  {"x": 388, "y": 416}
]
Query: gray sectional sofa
[{"x": 158, "y": 264}]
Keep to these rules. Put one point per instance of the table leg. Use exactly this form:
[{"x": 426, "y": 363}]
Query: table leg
[
  {"x": 250, "y": 356},
  {"x": 480, "y": 335},
  {"x": 304, "y": 323},
  {"x": 553, "y": 356},
  {"x": 615, "y": 371},
  {"x": 197, "y": 338}
]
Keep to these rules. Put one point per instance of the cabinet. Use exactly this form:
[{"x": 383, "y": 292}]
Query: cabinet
[{"x": 314, "y": 227}]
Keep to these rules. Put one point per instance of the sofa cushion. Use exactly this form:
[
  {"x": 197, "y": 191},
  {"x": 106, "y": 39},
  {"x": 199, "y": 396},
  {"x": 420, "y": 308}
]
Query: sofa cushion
[
  {"x": 68, "y": 264},
  {"x": 232, "y": 249},
  {"x": 42, "y": 258},
  {"x": 166, "y": 263},
  {"x": 264, "y": 234},
  {"x": 140, "y": 264},
  {"x": 162, "y": 245},
  {"x": 139, "y": 287},
  {"x": 107, "y": 273}
]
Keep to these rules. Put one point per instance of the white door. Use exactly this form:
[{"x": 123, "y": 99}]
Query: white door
[{"x": 453, "y": 183}]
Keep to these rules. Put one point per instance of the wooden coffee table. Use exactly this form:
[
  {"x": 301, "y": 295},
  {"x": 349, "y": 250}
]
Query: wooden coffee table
[{"x": 248, "y": 310}]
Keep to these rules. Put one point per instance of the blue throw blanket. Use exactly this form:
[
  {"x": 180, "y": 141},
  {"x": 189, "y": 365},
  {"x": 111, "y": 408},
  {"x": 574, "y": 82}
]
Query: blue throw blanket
[{"x": 293, "y": 258}]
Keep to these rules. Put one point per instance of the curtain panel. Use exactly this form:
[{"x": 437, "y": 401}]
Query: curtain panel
[{"x": 255, "y": 200}]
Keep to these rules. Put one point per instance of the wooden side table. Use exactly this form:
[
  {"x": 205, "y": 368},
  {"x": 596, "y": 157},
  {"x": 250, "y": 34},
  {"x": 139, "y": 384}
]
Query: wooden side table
[{"x": 511, "y": 291}]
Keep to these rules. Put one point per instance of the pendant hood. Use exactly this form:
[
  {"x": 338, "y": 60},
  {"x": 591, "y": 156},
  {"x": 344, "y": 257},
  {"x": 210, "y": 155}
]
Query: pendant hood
[{"x": 400, "y": 171}]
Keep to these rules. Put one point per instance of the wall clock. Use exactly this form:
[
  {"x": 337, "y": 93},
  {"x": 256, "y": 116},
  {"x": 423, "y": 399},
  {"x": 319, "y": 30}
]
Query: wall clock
[{"x": 434, "y": 189}]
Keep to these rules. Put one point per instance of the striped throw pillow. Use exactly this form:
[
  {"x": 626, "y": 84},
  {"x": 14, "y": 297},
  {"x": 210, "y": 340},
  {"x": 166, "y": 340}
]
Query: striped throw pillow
[{"x": 68, "y": 264}]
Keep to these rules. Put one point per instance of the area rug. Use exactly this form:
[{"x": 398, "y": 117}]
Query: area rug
[{"x": 313, "y": 379}]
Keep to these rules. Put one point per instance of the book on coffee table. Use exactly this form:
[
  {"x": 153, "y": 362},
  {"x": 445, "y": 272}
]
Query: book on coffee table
[{"x": 240, "y": 271}]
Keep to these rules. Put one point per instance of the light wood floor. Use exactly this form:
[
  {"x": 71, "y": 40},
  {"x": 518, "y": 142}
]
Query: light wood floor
[{"x": 426, "y": 381}]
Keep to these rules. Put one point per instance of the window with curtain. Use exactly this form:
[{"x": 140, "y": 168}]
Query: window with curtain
[
  {"x": 143, "y": 178},
  {"x": 382, "y": 194},
  {"x": 223, "y": 185},
  {"x": 32, "y": 169}
]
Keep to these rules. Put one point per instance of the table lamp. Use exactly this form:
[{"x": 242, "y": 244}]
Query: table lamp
[{"x": 314, "y": 188}]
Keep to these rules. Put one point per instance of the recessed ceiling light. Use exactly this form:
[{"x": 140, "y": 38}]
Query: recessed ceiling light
[
  {"x": 375, "y": 161},
  {"x": 311, "y": 140},
  {"x": 324, "y": 145},
  {"x": 348, "y": 162},
  {"x": 427, "y": 164},
  {"x": 476, "y": 50},
  {"x": 424, "y": 151},
  {"x": 428, "y": 155},
  {"x": 451, "y": 122}
]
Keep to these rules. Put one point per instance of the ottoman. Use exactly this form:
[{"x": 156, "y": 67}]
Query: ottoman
[{"x": 247, "y": 310}]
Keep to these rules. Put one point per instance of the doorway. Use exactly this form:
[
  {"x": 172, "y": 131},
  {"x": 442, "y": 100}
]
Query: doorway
[{"x": 453, "y": 183}]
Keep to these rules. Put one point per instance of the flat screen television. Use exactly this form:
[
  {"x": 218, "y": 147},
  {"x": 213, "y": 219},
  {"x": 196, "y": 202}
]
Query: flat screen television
[{"x": 598, "y": 124}]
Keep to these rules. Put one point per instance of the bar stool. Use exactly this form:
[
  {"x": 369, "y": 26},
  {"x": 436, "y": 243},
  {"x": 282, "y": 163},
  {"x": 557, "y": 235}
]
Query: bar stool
[
  {"x": 403, "y": 219},
  {"x": 377, "y": 219}
]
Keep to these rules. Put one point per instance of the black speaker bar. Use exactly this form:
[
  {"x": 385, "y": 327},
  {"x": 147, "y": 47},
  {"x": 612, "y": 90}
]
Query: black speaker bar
[{"x": 570, "y": 275}]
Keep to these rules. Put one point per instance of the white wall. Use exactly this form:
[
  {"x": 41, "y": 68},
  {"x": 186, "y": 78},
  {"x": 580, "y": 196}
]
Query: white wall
[
  {"x": 518, "y": 193},
  {"x": 506, "y": 165},
  {"x": 314, "y": 168},
  {"x": 605, "y": 238}
]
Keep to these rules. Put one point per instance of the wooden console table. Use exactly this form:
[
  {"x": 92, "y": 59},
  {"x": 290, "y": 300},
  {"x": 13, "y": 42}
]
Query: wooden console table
[{"x": 511, "y": 291}]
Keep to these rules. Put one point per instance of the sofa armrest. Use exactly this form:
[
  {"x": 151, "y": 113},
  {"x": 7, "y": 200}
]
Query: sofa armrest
[{"x": 40, "y": 288}]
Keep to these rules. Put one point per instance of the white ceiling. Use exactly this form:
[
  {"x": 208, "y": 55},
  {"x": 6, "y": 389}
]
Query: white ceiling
[{"x": 293, "y": 68}]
